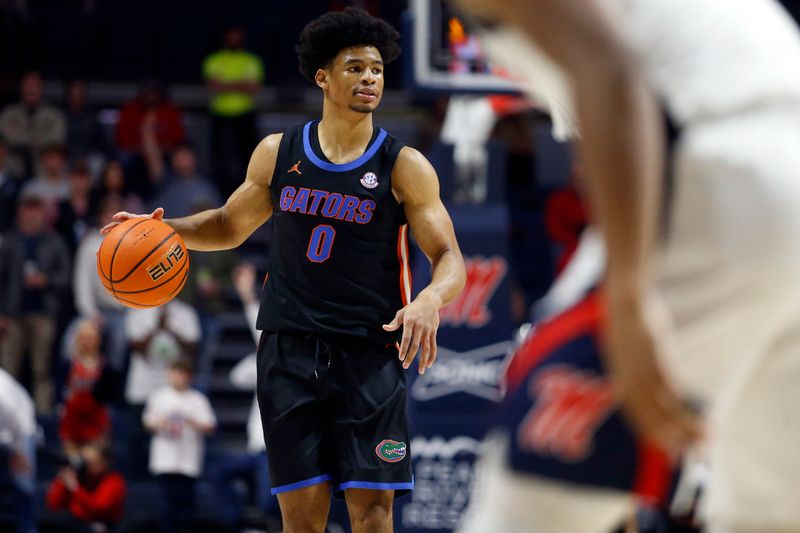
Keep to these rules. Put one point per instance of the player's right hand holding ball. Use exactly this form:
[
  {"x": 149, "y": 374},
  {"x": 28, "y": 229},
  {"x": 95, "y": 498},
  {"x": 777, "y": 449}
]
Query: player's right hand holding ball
[{"x": 122, "y": 216}]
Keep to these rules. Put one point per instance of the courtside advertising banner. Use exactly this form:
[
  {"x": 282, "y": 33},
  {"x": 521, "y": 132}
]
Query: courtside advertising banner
[{"x": 451, "y": 404}]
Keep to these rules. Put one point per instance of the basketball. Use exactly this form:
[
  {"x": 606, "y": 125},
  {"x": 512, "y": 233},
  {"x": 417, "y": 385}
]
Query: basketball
[{"x": 143, "y": 263}]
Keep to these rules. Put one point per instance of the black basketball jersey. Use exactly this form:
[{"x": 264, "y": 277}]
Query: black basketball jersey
[{"x": 339, "y": 258}]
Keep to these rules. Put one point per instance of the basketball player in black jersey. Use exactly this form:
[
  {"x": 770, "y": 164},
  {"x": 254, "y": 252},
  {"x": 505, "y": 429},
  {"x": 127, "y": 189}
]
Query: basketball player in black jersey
[{"x": 339, "y": 326}]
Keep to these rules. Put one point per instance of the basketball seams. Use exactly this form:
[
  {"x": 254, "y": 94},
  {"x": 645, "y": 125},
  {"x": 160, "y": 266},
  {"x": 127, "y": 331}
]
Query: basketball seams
[
  {"x": 180, "y": 285},
  {"x": 100, "y": 263},
  {"x": 114, "y": 254},
  {"x": 163, "y": 300},
  {"x": 143, "y": 259},
  {"x": 174, "y": 275}
]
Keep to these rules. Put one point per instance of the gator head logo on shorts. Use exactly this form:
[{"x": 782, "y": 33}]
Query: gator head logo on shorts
[{"x": 391, "y": 451}]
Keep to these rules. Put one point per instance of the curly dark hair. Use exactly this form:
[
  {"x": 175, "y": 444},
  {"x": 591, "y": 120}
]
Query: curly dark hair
[{"x": 323, "y": 38}]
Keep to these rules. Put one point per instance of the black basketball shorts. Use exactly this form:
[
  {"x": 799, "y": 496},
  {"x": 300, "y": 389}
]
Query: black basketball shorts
[{"x": 333, "y": 409}]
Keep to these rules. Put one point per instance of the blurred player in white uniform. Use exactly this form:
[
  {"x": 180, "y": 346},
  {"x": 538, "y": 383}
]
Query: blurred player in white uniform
[{"x": 709, "y": 309}]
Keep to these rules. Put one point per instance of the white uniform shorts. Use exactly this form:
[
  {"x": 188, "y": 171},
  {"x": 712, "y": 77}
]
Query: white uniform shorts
[
  {"x": 503, "y": 501},
  {"x": 730, "y": 274}
]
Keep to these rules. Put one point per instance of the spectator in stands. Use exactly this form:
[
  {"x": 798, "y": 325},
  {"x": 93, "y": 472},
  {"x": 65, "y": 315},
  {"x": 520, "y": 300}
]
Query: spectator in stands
[
  {"x": 113, "y": 182},
  {"x": 10, "y": 185},
  {"x": 233, "y": 76},
  {"x": 52, "y": 182},
  {"x": 149, "y": 110},
  {"x": 566, "y": 218},
  {"x": 17, "y": 453},
  {"x": 74, "y": 215},
  {"x": 179, "y": 417},
  {"x": 92, "y": 301},
  {"x": 31, "y": 124},
  {"x": 34, "y": 272},
  {"x": 207, "y": 289},
  {"x": 182, "y": 189},
  {"x": 251, "y": 464},
  {"x": 208, "y": 283},
  {"x": 84, "y": 419},
  {"x": 85, "y": 137},
  {"x": 157, "y": 337},
  {"x": 530, "y": 250},
  {"x": 88, "y": 497}
]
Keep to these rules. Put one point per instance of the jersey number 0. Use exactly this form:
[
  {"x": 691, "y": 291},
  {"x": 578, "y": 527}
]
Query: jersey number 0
[{"x": 321, "y": 243}]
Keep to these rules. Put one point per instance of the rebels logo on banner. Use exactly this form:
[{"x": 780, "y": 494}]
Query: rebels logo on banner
[
  {"x": 471, "y": 308},
  {"x": 569, "y": 406}
]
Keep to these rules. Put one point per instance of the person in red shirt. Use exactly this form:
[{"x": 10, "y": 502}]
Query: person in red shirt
[
  {"x": 90, "y": 497},
  {"x": 84, "y": 419},
  {"x": 150, "y": 100},
  {"x": 566, "y": 218},
  {"x": 149, "y": 110}
]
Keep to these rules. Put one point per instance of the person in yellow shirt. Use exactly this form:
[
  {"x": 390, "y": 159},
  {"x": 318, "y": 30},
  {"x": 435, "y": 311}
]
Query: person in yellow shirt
[{"x": 233, "y": 75}]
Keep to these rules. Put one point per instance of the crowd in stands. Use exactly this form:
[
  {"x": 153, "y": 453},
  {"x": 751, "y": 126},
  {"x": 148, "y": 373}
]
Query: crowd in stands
[{"x": 69, "y": 352}]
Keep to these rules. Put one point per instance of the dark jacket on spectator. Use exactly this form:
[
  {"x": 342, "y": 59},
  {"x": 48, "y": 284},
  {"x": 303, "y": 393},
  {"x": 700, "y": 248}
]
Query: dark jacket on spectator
[
  {"x": 9, "y": 191},
  {"x": 84, "y": 134},
  {"x": 52, "y": 258}
]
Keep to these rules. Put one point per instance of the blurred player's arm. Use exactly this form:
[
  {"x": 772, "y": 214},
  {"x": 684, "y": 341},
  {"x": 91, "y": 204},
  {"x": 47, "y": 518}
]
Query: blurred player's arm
[
  {"x": 245, "y": 211},
  {"x": 416, "y": 187},
  {"x": 623, "y": 147}
]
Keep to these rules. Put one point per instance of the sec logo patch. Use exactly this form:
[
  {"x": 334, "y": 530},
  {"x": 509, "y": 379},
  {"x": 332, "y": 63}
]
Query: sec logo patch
[{"x": 369, "y": 180}]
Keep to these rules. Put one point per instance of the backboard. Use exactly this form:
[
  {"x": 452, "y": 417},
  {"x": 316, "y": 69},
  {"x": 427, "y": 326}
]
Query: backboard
[{"x": 444, "y": 55}]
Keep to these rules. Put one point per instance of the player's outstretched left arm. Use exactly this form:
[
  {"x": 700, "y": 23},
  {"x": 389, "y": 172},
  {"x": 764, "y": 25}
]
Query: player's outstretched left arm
[{"x": 416, "y": 186}]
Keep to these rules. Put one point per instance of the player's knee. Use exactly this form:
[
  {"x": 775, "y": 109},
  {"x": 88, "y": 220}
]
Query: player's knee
[{"x": 375, "y": 516}]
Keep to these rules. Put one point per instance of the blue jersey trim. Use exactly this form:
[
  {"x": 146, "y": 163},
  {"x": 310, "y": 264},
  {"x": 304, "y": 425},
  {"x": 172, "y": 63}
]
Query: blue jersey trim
[
  {"x": 301, "y": 484},
  {"x": 344, "y": 167},
  {"x": 375, "y": 486}
]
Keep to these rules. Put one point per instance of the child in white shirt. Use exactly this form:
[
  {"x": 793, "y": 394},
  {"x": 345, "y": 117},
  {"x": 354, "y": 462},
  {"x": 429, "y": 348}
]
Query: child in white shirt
[{"x": 179, "y": 417}]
